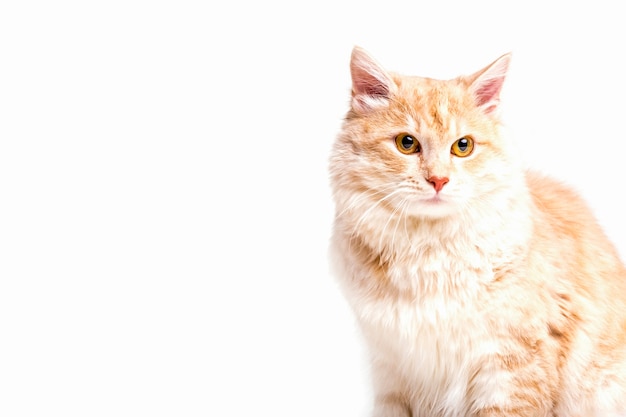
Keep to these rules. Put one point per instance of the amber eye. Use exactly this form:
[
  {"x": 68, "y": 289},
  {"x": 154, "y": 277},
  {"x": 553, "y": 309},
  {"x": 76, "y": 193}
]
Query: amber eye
[
  {"x": 407, "y": 144},
  {"x": 463, "y": 147}
]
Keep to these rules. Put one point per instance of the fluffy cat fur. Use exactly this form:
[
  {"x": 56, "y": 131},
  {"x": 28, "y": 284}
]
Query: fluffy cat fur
[{"x": 481, "y": 289}]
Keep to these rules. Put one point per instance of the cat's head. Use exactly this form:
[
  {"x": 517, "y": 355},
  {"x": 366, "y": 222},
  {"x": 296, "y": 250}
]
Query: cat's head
[{"x": 418, "y": 146}]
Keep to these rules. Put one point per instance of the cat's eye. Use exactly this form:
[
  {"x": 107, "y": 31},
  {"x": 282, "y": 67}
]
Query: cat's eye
[
  {"x": 407, "y": 144},
  {"x": 463, "y": 147}
]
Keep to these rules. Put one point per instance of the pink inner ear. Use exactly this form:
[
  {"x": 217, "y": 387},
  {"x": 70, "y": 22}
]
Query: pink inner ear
[
  {"x": 487, "y": 86},
  {"x": 488, "y": 90},
  {"x": 368, "y": 77},
  {"x": 370, "y": 86}
]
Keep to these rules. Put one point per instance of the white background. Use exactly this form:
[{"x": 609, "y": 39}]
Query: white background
[{"x": 164, "y": 202}]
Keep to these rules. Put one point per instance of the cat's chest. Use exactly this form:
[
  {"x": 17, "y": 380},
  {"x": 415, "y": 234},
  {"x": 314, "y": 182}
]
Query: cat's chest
[
  {"x": 434, "y": 346},
  {"x": 421, "y": 284},
  {"x": 433, "y": 297},
  {"x": 431, "y": 320},
  {"x": 456, "y": 268}
]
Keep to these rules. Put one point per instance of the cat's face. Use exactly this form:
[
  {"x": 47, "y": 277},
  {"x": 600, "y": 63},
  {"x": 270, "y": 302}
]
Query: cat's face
[{"x": 420, "y": 147}]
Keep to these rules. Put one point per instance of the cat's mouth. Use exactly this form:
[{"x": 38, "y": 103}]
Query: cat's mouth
[
  {"x": 436, "y": 205},
  {"x": 435, "y": 199}
]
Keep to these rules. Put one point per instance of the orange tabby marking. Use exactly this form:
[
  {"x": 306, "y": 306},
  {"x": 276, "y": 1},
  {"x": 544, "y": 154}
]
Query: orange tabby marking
[{"x": 481, "y": 289}]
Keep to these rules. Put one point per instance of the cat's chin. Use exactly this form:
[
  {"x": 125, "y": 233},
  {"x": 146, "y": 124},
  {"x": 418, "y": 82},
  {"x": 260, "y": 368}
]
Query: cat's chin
[{"x": 434, "y": 207}]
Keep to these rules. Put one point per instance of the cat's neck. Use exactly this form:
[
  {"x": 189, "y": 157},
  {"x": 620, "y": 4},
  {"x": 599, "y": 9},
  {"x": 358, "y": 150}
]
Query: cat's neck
[{"x": 484, "y": 236}]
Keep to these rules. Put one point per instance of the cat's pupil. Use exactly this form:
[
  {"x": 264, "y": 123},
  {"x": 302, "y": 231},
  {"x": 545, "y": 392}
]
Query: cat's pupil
[
  {"x": 407, "y": 142},
  {"x": 463, "y": 144}
]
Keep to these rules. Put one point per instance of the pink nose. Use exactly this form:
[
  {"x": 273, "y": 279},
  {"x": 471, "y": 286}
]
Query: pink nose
[{"x": 438, "y": 182}]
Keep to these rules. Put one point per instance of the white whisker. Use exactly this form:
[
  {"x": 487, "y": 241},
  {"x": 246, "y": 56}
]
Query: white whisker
[
  {"x": 367, "y": 212},
  {"x": 391, "y": 216}
]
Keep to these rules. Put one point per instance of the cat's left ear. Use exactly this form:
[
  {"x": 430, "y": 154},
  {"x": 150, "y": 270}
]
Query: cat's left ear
[{"x": 487, "y": 84}]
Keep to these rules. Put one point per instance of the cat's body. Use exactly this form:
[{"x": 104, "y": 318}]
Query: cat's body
[{"x": 481, "y": 289}]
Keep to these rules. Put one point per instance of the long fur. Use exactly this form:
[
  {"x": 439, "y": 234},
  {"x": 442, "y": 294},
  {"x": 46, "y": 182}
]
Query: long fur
[{"x": 498, "y": 295}]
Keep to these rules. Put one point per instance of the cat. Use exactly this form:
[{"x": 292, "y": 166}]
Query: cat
[{"x": 480, "y": 288}]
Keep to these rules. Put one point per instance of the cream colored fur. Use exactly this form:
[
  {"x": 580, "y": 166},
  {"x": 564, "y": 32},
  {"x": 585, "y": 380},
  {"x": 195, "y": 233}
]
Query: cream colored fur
[{"x": 499, "y": 295}]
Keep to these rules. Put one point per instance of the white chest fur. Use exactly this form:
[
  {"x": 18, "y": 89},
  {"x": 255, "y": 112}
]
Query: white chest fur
[
  {"x": 428, "y": 338},
  {"x": 431, "y": 348}
]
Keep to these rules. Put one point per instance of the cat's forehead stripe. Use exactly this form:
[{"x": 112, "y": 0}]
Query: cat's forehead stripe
[
  {"x": 411, "y": 123},
  {"x": 452, "y": 126},
  {"x": 437, "y": 126}
]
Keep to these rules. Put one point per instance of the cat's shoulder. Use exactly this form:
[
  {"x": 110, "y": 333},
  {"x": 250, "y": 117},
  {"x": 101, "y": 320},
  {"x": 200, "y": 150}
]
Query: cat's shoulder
[
  {"x": 557, "y": 201},
  {"x": 543, "y": 186}
]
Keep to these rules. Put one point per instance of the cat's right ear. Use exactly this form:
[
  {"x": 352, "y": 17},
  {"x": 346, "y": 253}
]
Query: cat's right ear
[{"x": 371, "y": 85}]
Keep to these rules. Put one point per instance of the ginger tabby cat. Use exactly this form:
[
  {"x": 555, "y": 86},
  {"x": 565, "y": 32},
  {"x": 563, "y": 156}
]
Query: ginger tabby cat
[{"x": 481, "y": 289}]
